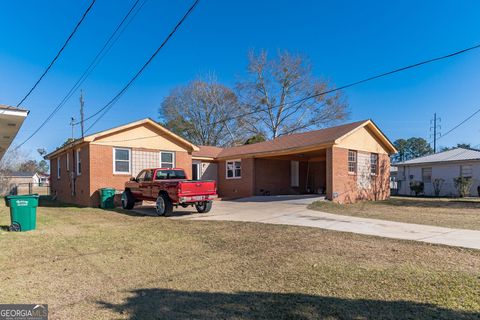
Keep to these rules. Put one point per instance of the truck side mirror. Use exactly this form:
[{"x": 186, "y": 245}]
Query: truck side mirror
[{"x": 133, "y": 179}]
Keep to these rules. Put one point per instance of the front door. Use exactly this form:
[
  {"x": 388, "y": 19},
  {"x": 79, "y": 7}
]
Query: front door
[{"x": 196, "y": 175}]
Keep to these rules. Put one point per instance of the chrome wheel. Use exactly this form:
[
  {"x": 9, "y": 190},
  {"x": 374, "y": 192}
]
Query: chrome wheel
[{"x": 160, "y": 206}]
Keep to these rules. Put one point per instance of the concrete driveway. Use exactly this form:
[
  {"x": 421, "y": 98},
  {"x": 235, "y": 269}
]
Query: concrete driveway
[{"x": 292, "y": 210}]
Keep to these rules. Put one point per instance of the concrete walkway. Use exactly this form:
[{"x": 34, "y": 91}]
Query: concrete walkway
[{"x": 292, "y": 211}]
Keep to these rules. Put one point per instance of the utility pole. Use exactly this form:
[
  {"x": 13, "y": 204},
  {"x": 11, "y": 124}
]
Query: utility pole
[
  {"x": 72, "y": 123},
  {"x": 82, "y": 102},
  {"x": 435, "y": 127}
]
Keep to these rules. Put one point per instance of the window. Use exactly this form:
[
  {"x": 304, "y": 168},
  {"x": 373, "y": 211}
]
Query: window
[
  {"x": 67, "y": 162},
  {"x": 148, "y": 175},
  {"x": 373, "y": 163},
  {"x": 121, "y": 161},
  {"x": 170, "y": 174},
  {"x": 234, "y": 169},
  {"x": 427, "y": 175},
  {"x": 294, "y": 174},
  {"x": 58, "y": 167},
  {"x": 466, "y": 171},
  {"x": 352, "y": 161},
  {"x": 141, "y": 176},
  {"x": 79, "y": 163},
  {"x": 167, "y": 159}
]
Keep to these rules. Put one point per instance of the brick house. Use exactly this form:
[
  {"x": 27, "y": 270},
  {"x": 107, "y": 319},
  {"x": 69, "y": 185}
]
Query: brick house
[
  {"x": 346, "y": 163},
  {"x": 109, "y": 158}
]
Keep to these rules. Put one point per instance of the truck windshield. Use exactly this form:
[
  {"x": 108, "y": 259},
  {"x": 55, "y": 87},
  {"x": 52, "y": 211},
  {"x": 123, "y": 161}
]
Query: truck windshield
[{"x": 170, "y": 174}]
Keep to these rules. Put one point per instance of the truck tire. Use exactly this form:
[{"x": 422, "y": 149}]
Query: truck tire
[
  {"x": 204, "y": 207},
  {"x": 128, "y": 201},
  {"x": 163, "y": 205}
]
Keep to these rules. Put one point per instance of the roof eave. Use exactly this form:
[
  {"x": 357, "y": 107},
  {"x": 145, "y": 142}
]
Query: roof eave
[{"x": 283, "y": 152}]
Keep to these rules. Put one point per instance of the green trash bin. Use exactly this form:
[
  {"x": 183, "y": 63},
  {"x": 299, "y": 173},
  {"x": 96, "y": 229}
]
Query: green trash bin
[
  {"x": 23, "y": 212},
  {"x": 107, "y": 196}
]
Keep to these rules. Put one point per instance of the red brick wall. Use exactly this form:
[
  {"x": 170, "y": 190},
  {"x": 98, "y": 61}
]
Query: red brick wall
[
  {"x": 236, "y": 188},
  {"x": 317, "y": 179},
  {"x": 184, "y": 160},
  {"x": 62, "y": 187},
  {"x": 272, "y": 176},
  {"x": 344, "y": 185}
]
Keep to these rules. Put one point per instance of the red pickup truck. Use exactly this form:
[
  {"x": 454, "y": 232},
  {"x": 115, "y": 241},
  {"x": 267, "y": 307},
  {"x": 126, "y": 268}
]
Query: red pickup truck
[{"x": 169, "y": 187}]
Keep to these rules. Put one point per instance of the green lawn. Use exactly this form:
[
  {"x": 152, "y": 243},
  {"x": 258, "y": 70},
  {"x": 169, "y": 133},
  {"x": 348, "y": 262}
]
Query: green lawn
[
  {"x": 93, "y": 264},
  {"x": 443, "y": 212}
]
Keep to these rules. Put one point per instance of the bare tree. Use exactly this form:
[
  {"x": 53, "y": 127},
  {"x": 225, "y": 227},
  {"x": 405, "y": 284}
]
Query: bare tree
[
  {"x": 205, "y": 113},
  {"x": 275, "y": 91},
  {"x": 9, "y": 163}
]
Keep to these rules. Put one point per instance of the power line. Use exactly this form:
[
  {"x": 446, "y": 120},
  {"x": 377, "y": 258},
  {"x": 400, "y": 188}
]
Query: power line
[
  {"x": 93, "y": 64},
  {"x": 112, "y": 102},
  {"x": 449, "y": 131},
  {"x": 58, "y": 53},
  {"x": 450, "y": 55},
  {"x": 461, "y": 123}
]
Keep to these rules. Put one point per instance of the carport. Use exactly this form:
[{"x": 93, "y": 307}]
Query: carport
[
  {"x": 11, "y": 119},
  {"x": 297, "y": 173}
]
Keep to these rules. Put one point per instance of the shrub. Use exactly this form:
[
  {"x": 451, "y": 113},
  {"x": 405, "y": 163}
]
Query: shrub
[
  {"x": 417, "y": 187},
  {"x": 463, "y": 185},
  {"x": 437, "y": 186}
]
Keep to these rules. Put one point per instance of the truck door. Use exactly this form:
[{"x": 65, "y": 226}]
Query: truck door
[
  {"x": 135, "y": 185},
  {"x": 147, "y": 184}
]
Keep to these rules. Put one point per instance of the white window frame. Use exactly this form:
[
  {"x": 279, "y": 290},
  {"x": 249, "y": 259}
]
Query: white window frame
[
  {"x": 173, "y": 159},
  {"x": 234, "y": 176},
  {"x": 354, "y": 152},
  {"x": 78, "y": 162},
  {"x": 129, "y": 161},
  {"x": 67, "y": 162},
  {"x": 58, "y": 167}
]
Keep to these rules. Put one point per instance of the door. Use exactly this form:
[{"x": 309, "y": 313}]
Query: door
[
  {"x": 146, "y": 184},
  {"x": 294, "y": 174},
  {"x": 135, "y": 186},
  {"x": 196, "y": 175}
]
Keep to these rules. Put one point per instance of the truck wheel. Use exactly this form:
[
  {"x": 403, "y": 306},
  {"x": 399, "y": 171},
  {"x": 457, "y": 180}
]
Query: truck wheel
[
  {"x": 163, "y": 205},
  {"x": 204, "y": 207},
  {"x": 128, "y": 201}
]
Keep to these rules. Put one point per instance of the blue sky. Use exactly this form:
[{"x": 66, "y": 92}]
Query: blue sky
[{"x": 345, "y": 41}]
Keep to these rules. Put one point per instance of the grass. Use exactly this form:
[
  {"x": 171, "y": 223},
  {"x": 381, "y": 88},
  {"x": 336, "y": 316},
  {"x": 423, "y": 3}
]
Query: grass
[
  {"x": 444, "y": 212},
  {"x": 94, "y": 264}
]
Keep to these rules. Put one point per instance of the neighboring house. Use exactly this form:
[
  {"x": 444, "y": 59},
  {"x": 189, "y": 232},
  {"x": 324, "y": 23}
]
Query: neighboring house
[
  {"x": 109, "y": 158},
  {"x": 346, "y": 163},
  {"x": 43, "y": 179},
  {"x": 11, "y": 120},
  {"x": 445, "y": 165},
  {"x": 18, "y": 182}
]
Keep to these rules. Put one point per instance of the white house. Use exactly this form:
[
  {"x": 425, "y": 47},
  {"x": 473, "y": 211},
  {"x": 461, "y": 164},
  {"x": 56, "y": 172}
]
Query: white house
[{"x": 445, "y": 165}]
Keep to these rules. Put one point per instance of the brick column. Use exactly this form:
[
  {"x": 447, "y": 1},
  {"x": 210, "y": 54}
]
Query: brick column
[{"x": 329, "y": 173}]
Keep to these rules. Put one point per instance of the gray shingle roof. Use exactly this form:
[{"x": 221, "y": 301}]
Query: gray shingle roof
[
  {"x": 457, "y": 154},
  {"x": 21, "y": 174}
]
